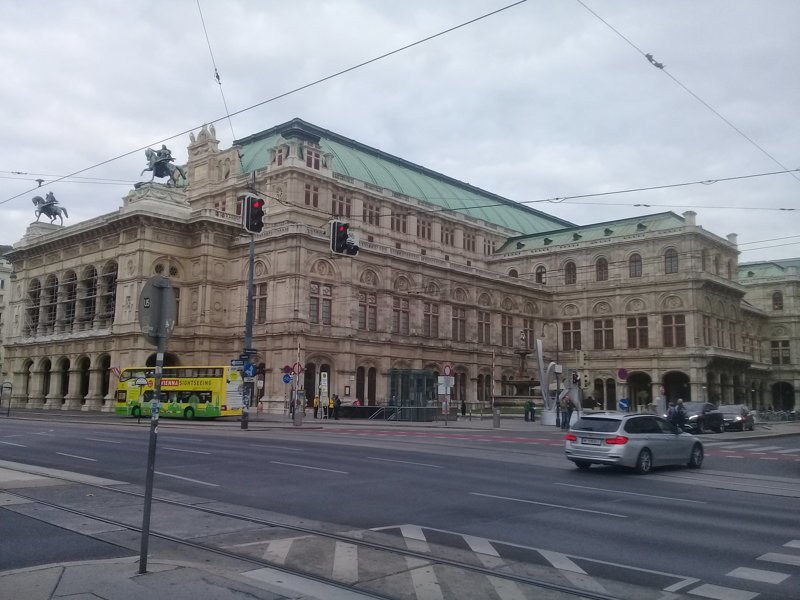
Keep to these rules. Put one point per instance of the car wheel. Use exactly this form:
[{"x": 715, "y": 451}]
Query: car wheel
[
  {"x": 583, "y": 465},
  {"x": 696, "y": 457},
  {"x": 188, "y": 413},
  {"x": 136, "y": 412},
  {"x": 644, "y": 462}
]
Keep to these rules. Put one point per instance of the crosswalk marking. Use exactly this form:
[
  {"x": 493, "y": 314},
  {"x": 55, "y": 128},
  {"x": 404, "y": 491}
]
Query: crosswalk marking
[
  {"x": 561, "y": 561},
  {"x": 717, "y": 592},
  {"x": 758, "y": 575},
  {"x": 789, "y": 451},
  {"x": 506, "y": 590},
  {"x": 792, "y": 544},
  {"x": 415, "y": 538},
  {"x": 345, "y": 562},
  {"x": 784, "y": 559},
  {"x": 426, "y": 584},
  {"x": 487, "y": 554},
  {"x": 277, "y": 550}
]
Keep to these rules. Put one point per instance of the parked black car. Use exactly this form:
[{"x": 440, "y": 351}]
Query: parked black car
[
  {"x": 737, "y": 417},
  {"x": 702, "y": 417}
]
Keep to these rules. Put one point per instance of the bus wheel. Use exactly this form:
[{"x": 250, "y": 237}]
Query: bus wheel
[
  {"x": 136, "y": 412},
  {"x": 188, "y": 413}
]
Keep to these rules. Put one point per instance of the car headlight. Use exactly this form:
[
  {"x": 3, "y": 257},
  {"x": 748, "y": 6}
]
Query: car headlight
[
  {"x": 737, "y": 418},
  {"x": 693, "y": 418}
]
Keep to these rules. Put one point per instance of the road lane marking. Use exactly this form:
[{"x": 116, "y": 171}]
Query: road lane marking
[
  {"x": 426, "y": 585},
  {"x": 189, "y": 451},
  {"x": 681, "y": 584},
  {"x": 13, "y": 444},
  {"x": 101, "y": 440},
  {"x": 784, "y": 559},
  {"x": 76, "y": 456},
  {"x": 765, "y": 448},
  {"x": 415, "y": 538},
  {"x": 406, "y": 462},
  {"x": 269, "y": 447},
  {"x": 780, "y": 451},
  {"x": 561, "y": 561},
  {"x": 586, "y": 510},
  {"x": 186, "y": 479},
  {"x": 275, "y": 462},
  {"x": 737, "y": 446},
  {"x": 717, "y": 592},
  {"x": 758, "y": 575},
  {"x": 586, "y": 487},
  {"x": 792, "y": 544}
]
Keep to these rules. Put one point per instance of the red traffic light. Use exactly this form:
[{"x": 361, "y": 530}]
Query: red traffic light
[
  {"x": 256, "y": 203},
  {"x": 342, "y": 228}
]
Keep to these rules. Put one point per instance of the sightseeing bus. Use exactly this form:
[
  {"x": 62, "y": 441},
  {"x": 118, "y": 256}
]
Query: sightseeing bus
[{"x": 186, "y": 392}]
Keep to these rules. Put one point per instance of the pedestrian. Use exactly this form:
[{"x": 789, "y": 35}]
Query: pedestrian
[
  {"x": 570, "y": 410},
  {"x": 463, "y": 408},
  {"x": 680, "y": 414},
  {"x": 316, "y": 405},
  {"x": 563, "y": 406},
  {"x": 533, "y": 412},
  {"x": 337, "y": 405},
  {"x": 672, "y": 414},
  {"x": 329, "y": 412},
  {"x": 528, "y": 409}
]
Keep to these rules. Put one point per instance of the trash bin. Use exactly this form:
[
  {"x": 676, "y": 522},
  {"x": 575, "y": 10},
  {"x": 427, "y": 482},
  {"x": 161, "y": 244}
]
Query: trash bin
[{"x": 496, "y": 419}]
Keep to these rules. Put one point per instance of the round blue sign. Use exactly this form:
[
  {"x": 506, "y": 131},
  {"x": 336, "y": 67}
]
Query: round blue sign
[
  {"x": 623, "y": 404},
  {"x": 287, "y": 378}
]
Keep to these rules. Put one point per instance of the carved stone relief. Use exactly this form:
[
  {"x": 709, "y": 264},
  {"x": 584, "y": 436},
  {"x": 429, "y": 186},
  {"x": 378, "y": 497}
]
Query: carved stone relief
[
  {"x": 636, "y": 305},
  {"x": 570, "y": 310},
  {"x": 602, "y": 308}
]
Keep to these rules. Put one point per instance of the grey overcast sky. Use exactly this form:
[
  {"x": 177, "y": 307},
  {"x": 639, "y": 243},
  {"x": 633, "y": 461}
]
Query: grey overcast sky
[{"x": 539, "y": 101}]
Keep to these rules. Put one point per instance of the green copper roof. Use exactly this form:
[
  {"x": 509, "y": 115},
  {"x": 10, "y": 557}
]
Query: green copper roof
[
  {"x": 773, "y": 268},
  {"x": 594, "y": 231},
  {"x": 374, "y": 167}
]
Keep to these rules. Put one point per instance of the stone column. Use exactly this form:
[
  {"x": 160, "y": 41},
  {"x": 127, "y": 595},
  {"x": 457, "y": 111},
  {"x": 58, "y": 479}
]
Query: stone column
[
  {"x": 53, "y": 397},
  {"x": 73, "y": 400},
  {"x": 19, "y": 399},
  {"x": 94, "y": 400}
]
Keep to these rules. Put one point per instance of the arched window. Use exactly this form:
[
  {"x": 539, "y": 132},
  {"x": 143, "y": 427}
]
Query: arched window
[
  {"x": 601, "y": 268},
  {"x": 635, "y": 265},
  {"x": 570, "y": 273},
  {"x": 671, "y": 261},
  {"x": 513, "y": 273},
  {"x": 541, "y": 274},
  {"x": 777, "y": 301}
]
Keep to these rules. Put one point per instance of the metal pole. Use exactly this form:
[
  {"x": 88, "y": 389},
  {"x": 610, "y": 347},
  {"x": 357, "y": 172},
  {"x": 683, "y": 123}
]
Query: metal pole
[
  {"x": 10, "y": 386},
  {"x": 248, "y": 332},
  {"x": 151, "y": 449}
]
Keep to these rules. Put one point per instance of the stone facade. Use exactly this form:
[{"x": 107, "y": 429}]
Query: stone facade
[{"x": 654, "y": 302}]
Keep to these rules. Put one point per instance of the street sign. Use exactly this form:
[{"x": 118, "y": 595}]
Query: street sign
[
  {"x": 248, "y": 380},
  {"x": 297, "y": 368},
  {"x": 249, "y": 371},
  {"x": 286, "y": 369},
  {"x": 237, "y": 363},
  {"x": 287, "y": 378},
  {"x": 622, "y": 373},
  {"x": 157, "y": 309},
  {"x": 249, "y": 351},
  {"x": 623, "y": 404}
]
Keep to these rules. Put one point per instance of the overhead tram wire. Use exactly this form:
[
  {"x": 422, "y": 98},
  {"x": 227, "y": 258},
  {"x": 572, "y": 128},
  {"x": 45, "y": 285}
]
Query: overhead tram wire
[
  {"x": 287, "y": 93},
  {"x": 662, "y": 68}
]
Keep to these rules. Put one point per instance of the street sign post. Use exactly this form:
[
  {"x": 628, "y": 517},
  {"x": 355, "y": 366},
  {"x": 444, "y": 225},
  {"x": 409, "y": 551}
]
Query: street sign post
[
  {"x": 157, "y": 311},
  {"x": 287, "y": 378}
]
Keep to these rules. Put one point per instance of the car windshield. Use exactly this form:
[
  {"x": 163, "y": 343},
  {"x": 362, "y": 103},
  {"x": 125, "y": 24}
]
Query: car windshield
[
  {"x": 731, "y": 408},
  {"x": 693, "y": 406},
  {"x": 599, "y": 425}
]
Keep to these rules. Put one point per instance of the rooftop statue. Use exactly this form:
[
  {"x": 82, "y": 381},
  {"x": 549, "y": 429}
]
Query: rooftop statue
[
  {"x": 48, "y": 206},
  {"x": 160, "y": 163}
]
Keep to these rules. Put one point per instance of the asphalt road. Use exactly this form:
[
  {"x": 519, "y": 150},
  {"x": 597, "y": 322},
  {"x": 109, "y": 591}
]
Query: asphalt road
[{"x": 511, "y": 487}]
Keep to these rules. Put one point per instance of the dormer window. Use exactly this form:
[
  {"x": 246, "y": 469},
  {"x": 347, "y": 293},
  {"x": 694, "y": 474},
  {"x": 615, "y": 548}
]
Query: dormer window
[
  {"x": 312, "y": 159},
  {"x": 777, "y": 301}
]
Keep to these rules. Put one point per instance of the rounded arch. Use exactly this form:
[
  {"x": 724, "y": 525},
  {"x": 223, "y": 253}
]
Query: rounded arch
[
  {"x": 401, "y": 283},
  {"x": 640, "y": 390},
  {"x": 601, "y": 308},
  {"x": 513, "y": 273},
  {"x": 570, "y": 310},
  {"x": 324, "y": 268},
  {"x": 601, "y": 269},
  {"x": 670, "y": 260},
  {"x": 676, "y": 385},
  {"x": 370, "y": 278},
  {"x": 635, "y": 264},
  {"x": 460, "y": 295},
  {"x": 170, "y": 360},
  {"x": 508, "y": 304},
  {"x": 540, "y": 274},
  {"x": 531, "y": 308},
  {"x": 671, "y": 302},
  {"x": 570, "y": 272},
  {"x": 167, "y": 266},
  {"x": 782, "y": 396},
  {"x": 636, "y": 304},
  {"x": 431, "y": 288},
  {"x": 260, "y": 268},
  {"x": 485, "y": 299}
]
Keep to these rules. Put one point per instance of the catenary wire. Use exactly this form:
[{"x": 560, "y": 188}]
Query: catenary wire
[
  {"x": 289, "y": 92},
  {"x": 686, "y": 89}
]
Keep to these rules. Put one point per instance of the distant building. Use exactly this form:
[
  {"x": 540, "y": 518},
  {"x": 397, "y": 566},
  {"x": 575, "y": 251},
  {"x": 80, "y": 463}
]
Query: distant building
[
  {"x": 5, "y": 288},
  {"x": 447, "y": 274}
]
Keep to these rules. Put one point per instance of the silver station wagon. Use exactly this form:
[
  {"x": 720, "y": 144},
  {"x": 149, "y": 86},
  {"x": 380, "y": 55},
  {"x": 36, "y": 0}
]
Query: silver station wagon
[{"x": 638, "y": 441}]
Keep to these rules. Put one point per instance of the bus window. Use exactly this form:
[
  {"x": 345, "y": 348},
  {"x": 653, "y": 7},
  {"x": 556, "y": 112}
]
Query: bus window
[
  {"x": 121, "y": 396},
  {"x": 148, "y": 396}
]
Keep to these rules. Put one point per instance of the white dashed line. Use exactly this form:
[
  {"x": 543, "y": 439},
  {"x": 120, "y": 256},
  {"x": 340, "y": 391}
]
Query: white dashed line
[
  {"x": 758, "y": 575},
  {"x": 186, "y": 479},
  {"x": 76, "y": 456}
]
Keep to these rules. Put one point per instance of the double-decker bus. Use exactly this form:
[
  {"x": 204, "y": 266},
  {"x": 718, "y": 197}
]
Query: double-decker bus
[{"x": 186, "y": 392}]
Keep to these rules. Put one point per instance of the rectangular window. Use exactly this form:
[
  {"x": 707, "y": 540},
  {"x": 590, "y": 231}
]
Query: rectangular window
[
  {"x": 638, "y": 333},
  {"x": 312, "y": 159},
  {"x": 448, "y": 236},
  {"x": 459, "y": 324},
  {"x": 469, "y": 242},
  {"x": 371, "y": 214},
  {"x": 219, "y": 205},
  {"x": 528, "y": 330},
  {"x": 484, "y": 327},
  {"x": 571, "y": 337},
  {"x": 424, "y": 229},
  {"x": 603, "y": 334},
  {"x": 399, "y": 222},
  {"x": 400, "y": 316},
  {"x": 320, "y": 303},
  {"x": 780, "y": 352},
  {"x": 674, "y": 330},
  {"x": 312, "y": 195},
  {"x": 342, "y": 205},
  {"x": 260, "y": 300},
  {"x": 720, "y": 333},
  {"x": 367, "y": 311},
  {"x": 507, "y": 330},
  {"x": 732, "y": 335},
  {"x": 430, "y": 320},
  {"x": 489, "y": 246},
  {"x": 707, "y": 333}
]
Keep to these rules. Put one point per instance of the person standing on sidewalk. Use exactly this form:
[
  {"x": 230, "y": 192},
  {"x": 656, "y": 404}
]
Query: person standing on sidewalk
[
  {"x": 528, "y": 410},
  {"x": 316, "y": 405}
]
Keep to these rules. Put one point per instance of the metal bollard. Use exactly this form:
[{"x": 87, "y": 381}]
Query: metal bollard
[
  {"x": 298, "y": 416},
  {"x": 496, "y": 419}
]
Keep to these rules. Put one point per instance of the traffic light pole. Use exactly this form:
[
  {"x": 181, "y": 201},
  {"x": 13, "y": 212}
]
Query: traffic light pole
[{"x": 248, "y": 332}]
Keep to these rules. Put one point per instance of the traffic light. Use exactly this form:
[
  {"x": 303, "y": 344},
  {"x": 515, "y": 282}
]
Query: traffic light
[
  {"x": 253, "y": 214},
  {"x": 342, "y": 242},
  {"x": 586, "y": 380},
  {"x": 575, "y": 378}
]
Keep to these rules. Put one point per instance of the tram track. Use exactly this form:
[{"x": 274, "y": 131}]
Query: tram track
[{"x": 381, "y": 550}]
